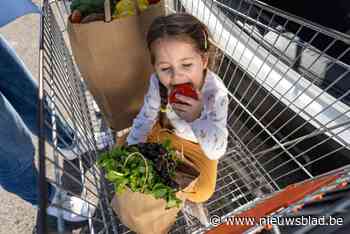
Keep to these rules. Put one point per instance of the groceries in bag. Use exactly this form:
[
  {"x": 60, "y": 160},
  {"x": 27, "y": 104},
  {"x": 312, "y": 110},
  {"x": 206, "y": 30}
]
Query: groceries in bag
[
  {"x": 148, "y": 168},
  {"x": 149, "y": 179},
  {"x": 83, "y": 8},
  {"x": 127, "y": 8},
  {"x": 84, "y": 11}
]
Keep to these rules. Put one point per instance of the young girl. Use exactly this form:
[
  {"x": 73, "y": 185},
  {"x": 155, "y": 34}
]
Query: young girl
[{"x": 179, "y": 49}]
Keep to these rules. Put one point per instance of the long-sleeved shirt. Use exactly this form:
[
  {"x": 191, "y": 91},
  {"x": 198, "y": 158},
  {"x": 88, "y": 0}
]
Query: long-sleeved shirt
[{"x": 209, "y": 130}]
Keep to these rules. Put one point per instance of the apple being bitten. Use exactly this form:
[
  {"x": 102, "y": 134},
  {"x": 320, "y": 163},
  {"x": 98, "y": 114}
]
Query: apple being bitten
[{"x": 182, "y": 89}]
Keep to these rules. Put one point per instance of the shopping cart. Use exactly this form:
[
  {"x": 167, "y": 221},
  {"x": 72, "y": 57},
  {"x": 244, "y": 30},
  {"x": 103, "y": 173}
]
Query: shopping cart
[{"x": 288, "y": 121}]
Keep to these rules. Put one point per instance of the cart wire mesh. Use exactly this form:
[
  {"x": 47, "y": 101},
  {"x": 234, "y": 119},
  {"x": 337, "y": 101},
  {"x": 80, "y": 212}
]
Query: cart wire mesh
[
  {"x": 289, "y": 91},
  {"x": 65, "y": 95}
]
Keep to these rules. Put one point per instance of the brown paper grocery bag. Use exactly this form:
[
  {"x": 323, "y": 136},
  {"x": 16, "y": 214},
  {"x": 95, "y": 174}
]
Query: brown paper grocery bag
[
  {"x": 114, "y": 61},
  {"x": 144, "y": 214}
]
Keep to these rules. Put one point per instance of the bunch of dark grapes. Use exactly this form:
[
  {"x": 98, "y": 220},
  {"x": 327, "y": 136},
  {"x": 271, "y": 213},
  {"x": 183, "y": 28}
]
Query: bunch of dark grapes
[{"x": 163, "y": 161}]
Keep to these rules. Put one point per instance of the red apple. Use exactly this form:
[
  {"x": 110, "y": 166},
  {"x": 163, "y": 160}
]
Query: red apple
[
  {"x": 76, "y": 17},
  {"x": 183, "y": 89}
]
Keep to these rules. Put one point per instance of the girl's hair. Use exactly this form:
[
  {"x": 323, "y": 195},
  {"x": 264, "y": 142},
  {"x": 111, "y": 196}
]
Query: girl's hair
[{"x": 182, "y": 26}]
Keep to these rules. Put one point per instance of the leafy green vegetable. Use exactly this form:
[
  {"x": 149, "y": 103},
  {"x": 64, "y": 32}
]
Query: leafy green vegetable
[
  {"x": 87, "y": 7},
  {"x": 147, "y": 168}
]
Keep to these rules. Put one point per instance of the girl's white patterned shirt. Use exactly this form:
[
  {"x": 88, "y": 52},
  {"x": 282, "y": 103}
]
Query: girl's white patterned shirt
[{"x": 209, "y": 130}]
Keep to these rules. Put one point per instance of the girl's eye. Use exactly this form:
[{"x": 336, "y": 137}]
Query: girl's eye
[
  {"x": 187, "y": 65},
  {"x": 165, "y": 69}
]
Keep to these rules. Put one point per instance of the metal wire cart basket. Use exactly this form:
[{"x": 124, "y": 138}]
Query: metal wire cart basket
[{"x": 289, "y": 111}]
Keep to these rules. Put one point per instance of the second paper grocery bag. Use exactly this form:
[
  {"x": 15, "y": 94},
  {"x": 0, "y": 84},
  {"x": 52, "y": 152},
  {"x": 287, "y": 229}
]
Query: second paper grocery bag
[{"x": 114, "y": 61}]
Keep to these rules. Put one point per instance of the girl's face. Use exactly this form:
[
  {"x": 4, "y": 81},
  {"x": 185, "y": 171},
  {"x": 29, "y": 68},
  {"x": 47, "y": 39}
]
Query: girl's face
[{"x": 178, "y": 62}]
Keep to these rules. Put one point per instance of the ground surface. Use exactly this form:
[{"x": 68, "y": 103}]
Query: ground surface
[{"x": 17, "y": 216}]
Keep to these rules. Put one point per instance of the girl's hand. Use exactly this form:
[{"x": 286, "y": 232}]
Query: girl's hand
[{"x": 191, "y": 110}]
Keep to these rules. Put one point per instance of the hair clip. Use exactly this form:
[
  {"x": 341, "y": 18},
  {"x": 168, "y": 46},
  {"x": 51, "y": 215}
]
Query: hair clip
[
  {"x": 163, "y": 110},
  {"x": 205, "y": 41}
]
